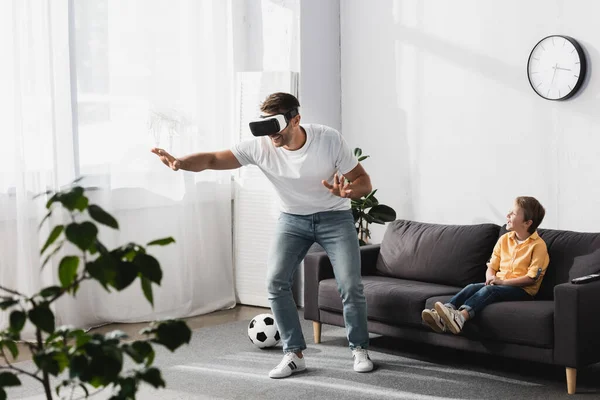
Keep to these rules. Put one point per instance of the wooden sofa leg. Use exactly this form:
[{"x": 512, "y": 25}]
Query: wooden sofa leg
[
  {"x": 317, "y": 331},
  {"x": 571, "y": 380}
]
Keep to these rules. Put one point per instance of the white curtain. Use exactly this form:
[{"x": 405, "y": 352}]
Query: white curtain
[{"x": 91, "y": 86}]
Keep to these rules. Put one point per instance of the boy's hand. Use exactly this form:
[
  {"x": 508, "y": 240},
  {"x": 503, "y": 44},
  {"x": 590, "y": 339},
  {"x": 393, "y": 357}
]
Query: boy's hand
[
  {"x": 497, "y": 282},
  {"x": 489, "y": 280}
]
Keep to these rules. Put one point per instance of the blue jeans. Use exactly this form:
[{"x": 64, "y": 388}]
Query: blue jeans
[
  {"x": 476, "y": 296},
  {"x": 295, "y": 234}
]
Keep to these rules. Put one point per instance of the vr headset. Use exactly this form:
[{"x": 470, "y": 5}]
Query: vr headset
[{"x": 272, "y": 124}]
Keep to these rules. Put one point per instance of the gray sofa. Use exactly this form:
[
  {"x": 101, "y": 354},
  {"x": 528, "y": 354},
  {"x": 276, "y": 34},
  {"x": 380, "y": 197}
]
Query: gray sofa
[{"x": 418, "y": 264}]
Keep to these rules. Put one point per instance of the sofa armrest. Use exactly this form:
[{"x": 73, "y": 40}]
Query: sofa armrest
[
  {"x": 317, "y": 267},
  {"x": 576, "y": 325}
]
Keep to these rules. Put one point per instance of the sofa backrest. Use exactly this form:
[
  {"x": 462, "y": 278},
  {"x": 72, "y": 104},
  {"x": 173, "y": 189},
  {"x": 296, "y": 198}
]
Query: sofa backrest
[
  {"x": 563, "y": 247},
  {"x": 454, "y": 255}
]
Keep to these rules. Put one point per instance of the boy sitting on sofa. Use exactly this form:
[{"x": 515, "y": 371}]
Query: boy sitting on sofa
[{"x": 515, "y": 271}]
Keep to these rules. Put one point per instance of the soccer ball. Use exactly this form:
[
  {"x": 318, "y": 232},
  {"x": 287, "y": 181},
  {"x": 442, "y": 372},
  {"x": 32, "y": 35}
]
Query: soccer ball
[{"x": 262, "y": 331}]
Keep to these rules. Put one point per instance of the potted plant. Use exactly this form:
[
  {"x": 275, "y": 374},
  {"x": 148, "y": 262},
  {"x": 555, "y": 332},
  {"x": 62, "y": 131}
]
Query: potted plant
[
  {"x": 91, "y": 360},
  {"x": 367, "y": 210}
]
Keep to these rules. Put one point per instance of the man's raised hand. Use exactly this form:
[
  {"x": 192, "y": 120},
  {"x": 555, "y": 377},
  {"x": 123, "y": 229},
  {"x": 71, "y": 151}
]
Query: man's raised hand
[
  {"x": 167, "y": 159},
  {"x": 340, "y": 187}
]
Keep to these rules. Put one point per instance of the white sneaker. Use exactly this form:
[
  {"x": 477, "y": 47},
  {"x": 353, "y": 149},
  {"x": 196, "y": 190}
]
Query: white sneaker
[
  {"x": 433, "y": 320},
  {"x": 453, "y": 320},
  {"x": 290, "y": 364},
  {"x": 362, "y": 361}
]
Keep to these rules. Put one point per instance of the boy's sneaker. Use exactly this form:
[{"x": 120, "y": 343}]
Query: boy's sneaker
[
  {"x": 452, "y": 318},
  {"x": 433, "y": 320},
  {"x": 362, "y": 361},
  {"x": 290, "y": 364}
]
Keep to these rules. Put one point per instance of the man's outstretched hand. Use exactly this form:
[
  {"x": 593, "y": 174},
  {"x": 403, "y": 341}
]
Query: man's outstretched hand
[
  {"x": 340, "y": 187},
  {"x": 167, "y": 159}
]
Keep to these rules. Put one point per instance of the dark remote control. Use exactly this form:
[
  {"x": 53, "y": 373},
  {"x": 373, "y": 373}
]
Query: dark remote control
[{"x": 586, "y": 279}]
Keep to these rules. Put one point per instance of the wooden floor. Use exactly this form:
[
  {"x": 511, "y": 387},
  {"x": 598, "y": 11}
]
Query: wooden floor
[{"x": 238, "y": 313}]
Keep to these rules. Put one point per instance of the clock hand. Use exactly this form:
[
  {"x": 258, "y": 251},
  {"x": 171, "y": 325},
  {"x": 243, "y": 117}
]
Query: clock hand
[
  {"x": 564, "y": 69},
  {"x": 554, "y": 74}
]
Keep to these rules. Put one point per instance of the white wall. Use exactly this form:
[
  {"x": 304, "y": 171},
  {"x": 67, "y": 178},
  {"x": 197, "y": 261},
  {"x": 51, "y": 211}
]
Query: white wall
[
  {"x": 320, "y": 80},
  {"x": 437, "y": 93}
]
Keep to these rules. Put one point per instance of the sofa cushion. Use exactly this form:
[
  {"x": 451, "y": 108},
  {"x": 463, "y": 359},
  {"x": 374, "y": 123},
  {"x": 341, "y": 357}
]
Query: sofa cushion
[
  {"x": 520, "y": 322},
  {"x": 585, "y": 265},
  {"x": 389, "y": 300},
  {"x": 563, "y": 248},
  {"x": 453, "y": 255}
]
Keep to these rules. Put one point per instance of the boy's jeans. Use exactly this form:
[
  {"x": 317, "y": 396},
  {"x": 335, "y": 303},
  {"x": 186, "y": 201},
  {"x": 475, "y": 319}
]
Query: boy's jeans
[
  {"x": 476, "y": 296},
  {"x": 336, "y": 233}
]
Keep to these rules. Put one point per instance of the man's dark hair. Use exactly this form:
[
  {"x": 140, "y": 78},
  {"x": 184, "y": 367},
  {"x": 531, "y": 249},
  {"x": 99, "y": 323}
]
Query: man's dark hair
[{"x": 279, "y": 103}]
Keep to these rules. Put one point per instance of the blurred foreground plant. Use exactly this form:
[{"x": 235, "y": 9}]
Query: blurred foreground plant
[{"x": 91, "y": 360}]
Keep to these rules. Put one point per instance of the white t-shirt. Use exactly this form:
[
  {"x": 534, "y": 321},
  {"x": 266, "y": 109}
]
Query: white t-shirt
[{"x": 297, "y": 175}]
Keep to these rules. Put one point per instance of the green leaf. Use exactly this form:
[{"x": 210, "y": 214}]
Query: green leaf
[
  {"x": 370, "y": 195},
  {"x": 17, "y": 320},
  {"x": 81, "y": 338},
  {"x": 102, "y": 216},
  {"x": 357, "y": 152},
  {"x": 44, "y": 220},
  {"x": 9, "y": 379},
  {"x": 147, "y": 289},
  {"x": 363, "y": 158},
  {"x": 12, "y": 347},
  {"x": 369, "y": 203},
  {"x": 52, "y": 200},
  {"x": 126, "y": 273},
  {"x": 51, "y": 291},
  {"x": 78, "y": 366},
  {"x": 172, "y": 334},
  {"x": 56, "y": 249},
  {"x": 153, "y": 377},
  {"x": 383, "y": 213},
  {"x": 144, "y": 349},
  {"x": 368, "y": 218},
  {"x": 73, "y": 199},
  {"x": 139, "y": 351},
  {"x": 103, "y": 269},
  {"x": 62, "y": 360},
  {"x": 42, "y": 318},
  {"x": 128, "y": 388},
  {"x": 105, "y": 362},
  {"x": 53, "y": 337},
  {"x": 161, "y": 242},
  {"x": 82, "y": 235},
  {"x": 8, "y": 302},
  {"x": 149, "y": 267},
  {"x": 58, "y": 229},
  {"x": 67, "y": 270},
  {"x": 46, "y": 361},
  {"x": 81, "y": 203}
]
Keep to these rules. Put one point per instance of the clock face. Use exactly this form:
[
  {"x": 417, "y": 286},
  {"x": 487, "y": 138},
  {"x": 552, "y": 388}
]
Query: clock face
[{"x": 556, "y": 67}]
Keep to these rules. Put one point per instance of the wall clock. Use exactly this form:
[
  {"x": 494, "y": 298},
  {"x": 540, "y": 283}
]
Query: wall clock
[{"x": 556, "y": 67}]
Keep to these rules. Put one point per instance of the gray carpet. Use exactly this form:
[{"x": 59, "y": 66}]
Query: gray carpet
[{"x": 221, "y": 363}]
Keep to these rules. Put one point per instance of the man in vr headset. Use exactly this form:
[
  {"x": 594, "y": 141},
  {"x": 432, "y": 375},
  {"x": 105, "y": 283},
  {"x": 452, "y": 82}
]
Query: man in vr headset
[{"x": 303, "y": 163}]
